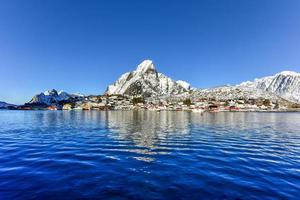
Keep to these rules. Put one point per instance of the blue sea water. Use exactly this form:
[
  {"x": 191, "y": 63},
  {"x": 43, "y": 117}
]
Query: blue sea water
[{"x": 149, "y": 155}]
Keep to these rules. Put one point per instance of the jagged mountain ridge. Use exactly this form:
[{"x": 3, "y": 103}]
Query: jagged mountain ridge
[
  {"x": 146, "y": 81},
  {"x": 50, "y": 97},
  {"x": 233, "y": 92},
  {"x": 285, "y": 84}
]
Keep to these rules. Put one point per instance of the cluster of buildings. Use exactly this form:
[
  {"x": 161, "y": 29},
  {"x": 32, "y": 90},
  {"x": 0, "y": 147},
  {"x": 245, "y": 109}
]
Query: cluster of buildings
[
  {"x": 212, "y": 105},
  {"x": 101, "y": 102},
  {"x": 120, "y": 102}
]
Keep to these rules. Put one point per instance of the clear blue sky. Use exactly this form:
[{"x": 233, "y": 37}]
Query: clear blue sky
[{"x": 86, "y": 45}]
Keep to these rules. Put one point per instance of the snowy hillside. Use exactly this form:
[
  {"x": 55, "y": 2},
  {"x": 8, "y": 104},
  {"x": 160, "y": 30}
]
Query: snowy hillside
[
  {"x": 285, "y": 84},
  {"x": 232, "y": 92},
  {"x": 146, "y": 81}
]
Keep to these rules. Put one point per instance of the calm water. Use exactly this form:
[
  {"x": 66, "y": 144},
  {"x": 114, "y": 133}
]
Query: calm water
[{"x": 149, "y": 155}]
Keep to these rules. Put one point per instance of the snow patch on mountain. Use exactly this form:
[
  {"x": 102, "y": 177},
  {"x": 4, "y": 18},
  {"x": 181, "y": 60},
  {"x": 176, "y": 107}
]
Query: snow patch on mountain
[
  {"x": 145, "y": 66},
  {"x": 184, "y": 84}
]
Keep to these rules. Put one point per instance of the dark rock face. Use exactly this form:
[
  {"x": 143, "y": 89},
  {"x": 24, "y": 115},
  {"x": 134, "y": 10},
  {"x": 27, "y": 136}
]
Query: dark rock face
[{"x": 134, "y": 89}]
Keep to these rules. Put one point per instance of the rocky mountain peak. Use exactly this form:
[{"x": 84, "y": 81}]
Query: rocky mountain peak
[
  {"x": 146, "y": 81},
  {"x": 146, "y": 66},
  {"x": 51, "y": 92},
  {"x": 288, "y": 73}
]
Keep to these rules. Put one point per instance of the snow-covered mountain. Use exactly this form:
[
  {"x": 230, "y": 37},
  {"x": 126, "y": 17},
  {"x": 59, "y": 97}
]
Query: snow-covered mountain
[
  {"x": 285, "y": 84},
  {"x": 50, "y": 97},
  {"x": 4, "y": 105},
  {"x": 233, "y": 92},
  {"x": 146, "y": 81}
]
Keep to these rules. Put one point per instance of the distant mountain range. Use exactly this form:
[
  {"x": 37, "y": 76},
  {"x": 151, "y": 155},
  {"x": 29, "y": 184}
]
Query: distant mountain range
[
  {"x": 4, "y": 105},
  {"x": 53, "y": 97},
  {"x": 147, "y": 82},
  {"x": 285, "y": 84}
]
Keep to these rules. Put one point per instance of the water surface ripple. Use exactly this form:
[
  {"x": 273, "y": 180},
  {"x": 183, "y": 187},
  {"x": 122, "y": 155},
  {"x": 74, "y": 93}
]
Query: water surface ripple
[{"x": 149, "y": 155}]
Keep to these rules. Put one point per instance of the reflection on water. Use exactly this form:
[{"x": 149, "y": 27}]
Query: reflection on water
[
  {"x": 149, "y": 155},
  {"x": 147, "y": 128}
]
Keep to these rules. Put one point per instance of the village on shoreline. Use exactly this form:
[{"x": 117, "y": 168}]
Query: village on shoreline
[{"x": 123, "y": 102}]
